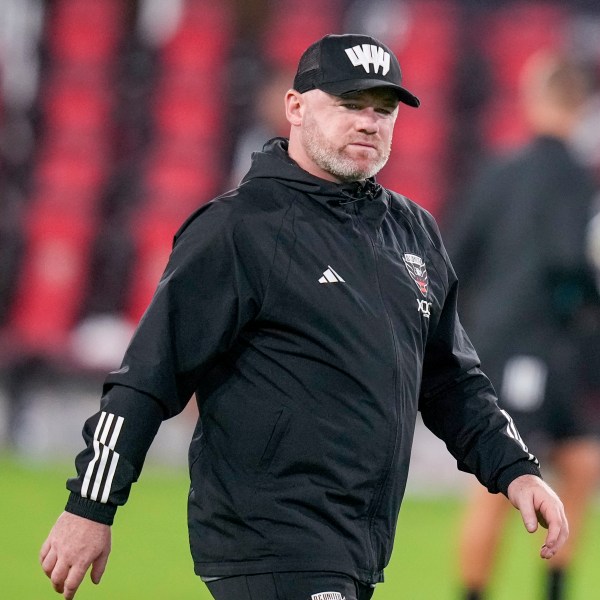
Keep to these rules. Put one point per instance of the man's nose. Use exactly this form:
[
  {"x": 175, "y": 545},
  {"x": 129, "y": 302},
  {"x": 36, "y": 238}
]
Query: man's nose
[{"x": 367, "y": 121}]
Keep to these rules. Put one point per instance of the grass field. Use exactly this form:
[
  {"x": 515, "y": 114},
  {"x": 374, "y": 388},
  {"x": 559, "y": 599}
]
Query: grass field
[{"x": 150, "y": 558}]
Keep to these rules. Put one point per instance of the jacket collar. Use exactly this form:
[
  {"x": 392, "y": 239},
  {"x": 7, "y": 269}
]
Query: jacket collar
[{"x": 367, "y": 198}]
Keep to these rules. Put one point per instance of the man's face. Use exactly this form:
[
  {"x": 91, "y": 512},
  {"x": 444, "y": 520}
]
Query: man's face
[{"x": 348, "y": 138}]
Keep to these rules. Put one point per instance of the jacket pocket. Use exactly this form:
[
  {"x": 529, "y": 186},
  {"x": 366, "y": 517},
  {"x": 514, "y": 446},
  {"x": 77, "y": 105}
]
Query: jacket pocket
[
  {"x": 278, "y": 432},
  {"x": 197, "y": 446},
  {"x": 247, "y": 434}
]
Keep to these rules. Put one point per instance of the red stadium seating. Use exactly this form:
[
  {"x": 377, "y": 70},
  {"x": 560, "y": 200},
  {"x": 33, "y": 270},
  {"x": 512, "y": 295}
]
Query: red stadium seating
[
  {"x": 52, "y": 282},
  {"x": 292, "y": 26},
  {"x": 85, "y": 31},
  {"x": 78, "y": 100},
  {"x": 427, "y": 47},
  {"x": 509, "y": 36},
  {"x": 153, "y": 235},
  {"x": 182, "y": 166},
  {"x": 72, "y": 162}
]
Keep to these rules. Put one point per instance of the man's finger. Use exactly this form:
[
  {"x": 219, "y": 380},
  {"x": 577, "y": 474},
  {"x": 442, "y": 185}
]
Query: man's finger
[
  {"x": 542, "y": 519},
  {"x": 529, "y": 517},
  {"x": 546, "y": 552},
  {"x": 44, "y": 551},
  {"x": 550, "y": 544},
  {"x": 558, "y": 532},
  {"x": 73, "y": 581},
  {"x": 537, "y": 502},
  {"x": 98, "y": 567},
  {"x": 49, "y": 562},
  {"x": 58, "y": 576}
]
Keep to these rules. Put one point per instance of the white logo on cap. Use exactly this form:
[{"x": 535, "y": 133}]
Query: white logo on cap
[{"x": 369, "y": 54}]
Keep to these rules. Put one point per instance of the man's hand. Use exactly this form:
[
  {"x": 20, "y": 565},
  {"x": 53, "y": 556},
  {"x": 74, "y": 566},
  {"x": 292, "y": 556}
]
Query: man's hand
[
  {"x": 538, "y": 503},
  {"x": 73, "y": 545}
]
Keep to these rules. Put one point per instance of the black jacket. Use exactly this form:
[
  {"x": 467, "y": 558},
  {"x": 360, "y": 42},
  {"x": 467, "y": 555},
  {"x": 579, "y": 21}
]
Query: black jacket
[
  {"x": 519, "y": 247},
  {"x": 312, "y": 320}
]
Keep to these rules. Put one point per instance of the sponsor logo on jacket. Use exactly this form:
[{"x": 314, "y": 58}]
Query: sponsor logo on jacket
[
  {"x": 424, "y": 308},
  {"x": 415, "y": 266},
  {"x": 328, "y": 596}
]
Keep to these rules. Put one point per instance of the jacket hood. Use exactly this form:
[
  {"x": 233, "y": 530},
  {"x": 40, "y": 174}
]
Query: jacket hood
[{"x": 274, "y": 162}]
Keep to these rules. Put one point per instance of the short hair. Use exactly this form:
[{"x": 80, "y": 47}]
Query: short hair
[{"x": 565, "y": 80}]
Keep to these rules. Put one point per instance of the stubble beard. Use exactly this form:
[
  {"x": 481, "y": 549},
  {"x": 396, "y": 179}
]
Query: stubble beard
[{"x": 332, "y": 159}]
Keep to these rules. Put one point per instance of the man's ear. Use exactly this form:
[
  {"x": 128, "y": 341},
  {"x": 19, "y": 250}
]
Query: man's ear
[{"x": 294, "y": 107}]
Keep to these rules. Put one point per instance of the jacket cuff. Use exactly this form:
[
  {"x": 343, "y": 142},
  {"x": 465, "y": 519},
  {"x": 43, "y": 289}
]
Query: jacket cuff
[
  {"x": 523, "y": 467},
  {"x": 89, "y": 509}
]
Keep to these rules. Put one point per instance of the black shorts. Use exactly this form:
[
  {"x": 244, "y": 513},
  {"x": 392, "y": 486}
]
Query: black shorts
[
  {"x": 300, "y": 585},
  {"x": 545, "y": 394}
]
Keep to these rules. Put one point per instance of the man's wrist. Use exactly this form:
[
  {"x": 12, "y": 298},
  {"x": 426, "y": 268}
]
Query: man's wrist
[
  {"x": 524, "y": 467},
  {"x": 90, "y": 509}
]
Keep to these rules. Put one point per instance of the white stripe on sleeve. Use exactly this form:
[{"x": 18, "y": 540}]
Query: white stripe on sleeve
[{"x": 104, "y": 454}]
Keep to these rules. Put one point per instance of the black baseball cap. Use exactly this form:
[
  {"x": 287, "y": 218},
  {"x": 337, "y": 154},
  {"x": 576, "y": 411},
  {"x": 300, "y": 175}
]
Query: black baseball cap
[{"x": 340, "y": 64}]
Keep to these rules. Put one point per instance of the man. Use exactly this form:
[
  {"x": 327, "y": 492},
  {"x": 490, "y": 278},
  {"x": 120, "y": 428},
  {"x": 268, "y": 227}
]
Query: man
[
  {"x": 312, "y": 313},
  {"x": 519, "y": 249}
]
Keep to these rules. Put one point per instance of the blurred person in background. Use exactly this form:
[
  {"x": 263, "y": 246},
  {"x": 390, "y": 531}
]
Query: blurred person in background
[
  {"x": 313, "y": 314},
  {"x": 527, "y": 293},
  {"x": 267, "y": 119}
]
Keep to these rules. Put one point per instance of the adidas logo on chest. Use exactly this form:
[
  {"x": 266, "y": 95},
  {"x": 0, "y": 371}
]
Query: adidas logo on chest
[{"x": 330, "y": 276}]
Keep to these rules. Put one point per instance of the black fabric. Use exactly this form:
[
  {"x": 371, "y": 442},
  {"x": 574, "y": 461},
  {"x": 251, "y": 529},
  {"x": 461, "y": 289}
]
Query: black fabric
[
  {"x": 556, "y": 588},
  {"x": 290, "y": 586},
  {"x": 308, "y": 384},
  {"x": 518, "y": 246},
  {"x": 342, "y": 64},
  {"x": 308, "y": 69}
]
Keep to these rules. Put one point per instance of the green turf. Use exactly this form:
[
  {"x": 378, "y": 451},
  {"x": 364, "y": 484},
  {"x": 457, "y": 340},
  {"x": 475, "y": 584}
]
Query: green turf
[{"x": 150, "y": 558}]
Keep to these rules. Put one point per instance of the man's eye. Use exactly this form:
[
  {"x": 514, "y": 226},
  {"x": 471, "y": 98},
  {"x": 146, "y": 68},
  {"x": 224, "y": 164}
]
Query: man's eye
[{"x": 351, "y": 106}]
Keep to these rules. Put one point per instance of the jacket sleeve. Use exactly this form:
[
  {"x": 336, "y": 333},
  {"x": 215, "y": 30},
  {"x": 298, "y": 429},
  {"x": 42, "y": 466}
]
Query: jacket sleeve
[
  {"x": 459, "y": 405},
  {"x": 209, "y": 290}
]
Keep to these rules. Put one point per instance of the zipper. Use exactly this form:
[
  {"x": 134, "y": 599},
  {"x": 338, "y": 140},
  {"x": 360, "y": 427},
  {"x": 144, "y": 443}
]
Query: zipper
[{"x": 388, "y": 466}]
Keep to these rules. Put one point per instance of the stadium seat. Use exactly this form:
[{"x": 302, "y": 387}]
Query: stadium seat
[
  {"x": 202, "y": 39},
  {"x": 426, "y": 42},
  {"x": 72, "y": 161},
  {"x": 513, "y": 32},
  {"x": 293, "y": 26},
  {"x": 85, "y": 31},
  {"x": 153, "y": 234},
  {"x": 78, "y": 101},
  {"x": 510, "y": 35},
  {"x": 176, "y": 188},
  {"x": 427, "y": 45},
  {"x": 52, "y": 280},
  {"x": 413, "y": 177},
  {"x": 187, "y": 115}
]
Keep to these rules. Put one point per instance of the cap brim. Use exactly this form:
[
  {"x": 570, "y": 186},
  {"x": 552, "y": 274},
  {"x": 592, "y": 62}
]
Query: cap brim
[{"x": 340, "y": 88}]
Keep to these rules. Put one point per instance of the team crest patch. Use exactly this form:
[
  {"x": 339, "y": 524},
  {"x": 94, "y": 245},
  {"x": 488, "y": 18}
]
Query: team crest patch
[
  {"x": 415, "y": 266},
  {"x": 328, "y": 596}
]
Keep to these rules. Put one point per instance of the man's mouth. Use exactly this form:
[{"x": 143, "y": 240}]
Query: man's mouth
[{"x": 363, "y": 145}]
